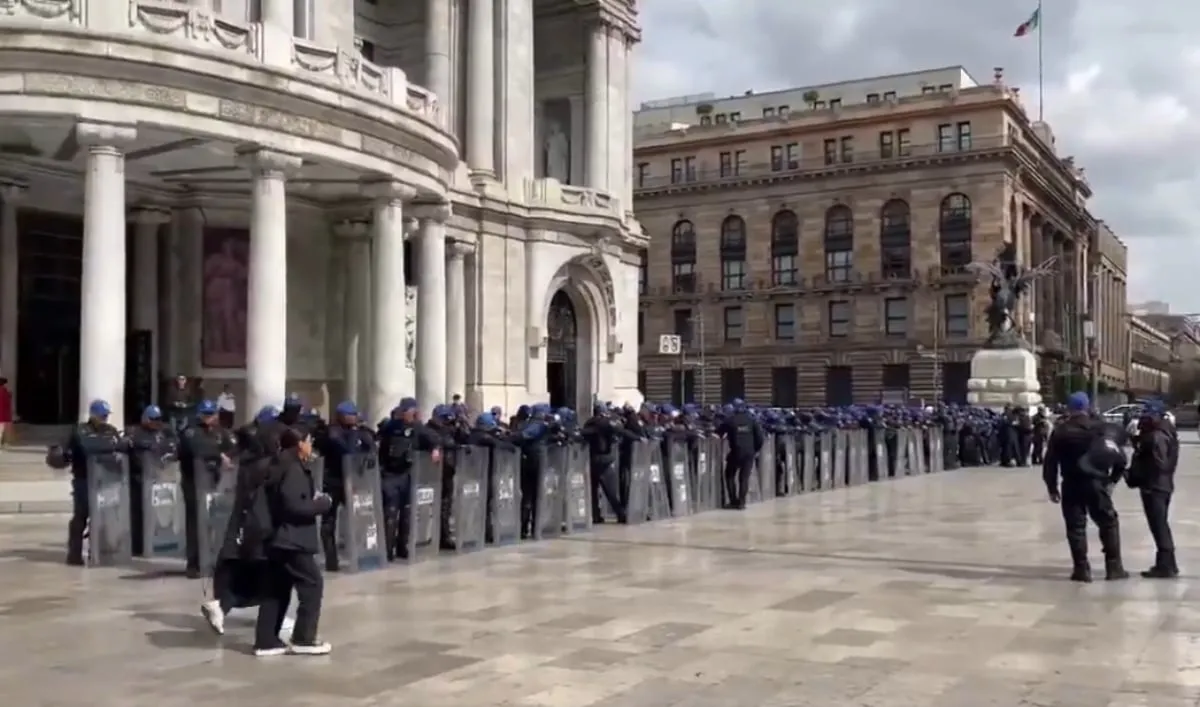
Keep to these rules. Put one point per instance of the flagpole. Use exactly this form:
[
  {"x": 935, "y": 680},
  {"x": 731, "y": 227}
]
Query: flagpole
[{"x": 1041, "y": 73}]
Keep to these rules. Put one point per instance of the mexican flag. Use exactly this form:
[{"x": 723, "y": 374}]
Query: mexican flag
[{"x": 1029, "y": 25}]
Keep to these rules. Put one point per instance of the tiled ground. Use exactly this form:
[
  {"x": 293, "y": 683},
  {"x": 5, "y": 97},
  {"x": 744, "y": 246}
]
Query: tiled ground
[{"x": 946, "y": 591}]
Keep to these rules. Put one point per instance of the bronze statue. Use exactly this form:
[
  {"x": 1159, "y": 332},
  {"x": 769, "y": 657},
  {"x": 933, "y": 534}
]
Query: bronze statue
[{"x": 1009, "y": 282}]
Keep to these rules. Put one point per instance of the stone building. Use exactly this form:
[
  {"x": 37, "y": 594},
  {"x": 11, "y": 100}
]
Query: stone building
[
  {"x": 1149, "y": 359},
  {"x": 347, "y": 199},
  {"x": 810, "y": 245},
  {"x": 1110, "y": 258}
]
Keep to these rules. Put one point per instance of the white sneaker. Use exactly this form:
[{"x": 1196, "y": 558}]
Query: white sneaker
[
  {"x": 319, "y": 648},
  {"x": 214, "y": 616},
  {"x": 269, "y": 652},
  {"x": 285, "y": 631}
]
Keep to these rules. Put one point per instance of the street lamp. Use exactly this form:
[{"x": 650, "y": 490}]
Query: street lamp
[{"x": 1089, "y": 337}]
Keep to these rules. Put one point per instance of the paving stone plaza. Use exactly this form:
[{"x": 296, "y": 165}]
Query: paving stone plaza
[{"x": 945, "y": 590}]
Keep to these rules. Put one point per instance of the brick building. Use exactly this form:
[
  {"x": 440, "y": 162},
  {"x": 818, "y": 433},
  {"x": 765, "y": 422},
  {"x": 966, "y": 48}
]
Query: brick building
[{"x": 810, "y": 245}]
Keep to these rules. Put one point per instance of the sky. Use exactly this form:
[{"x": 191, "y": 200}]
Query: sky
[{"x": 1122, "y": 88}]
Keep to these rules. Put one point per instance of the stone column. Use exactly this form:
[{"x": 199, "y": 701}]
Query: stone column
[
  {"x": 388, "y": 339},
  {"x": 481, "y": 87},
  {"x": 628, "y": 92},
  {"x": 456, "y": 319},
  {"x": 431, "y": 306},
  {"x": 102, "y": 286},
  {"x": 578, "y": 140},
  {"x": 438, "y": 30},
  {"x": 11, "y": 196},
  {"x": 266, "y": 310},
  {"x": 357, "y": 309},
  {"x": 597, "y": 107},
  {"x": 145, "y": 282}
]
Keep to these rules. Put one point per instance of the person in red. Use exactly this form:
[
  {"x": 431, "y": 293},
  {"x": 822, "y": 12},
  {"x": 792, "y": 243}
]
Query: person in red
[{"x": 6, "y": 412}]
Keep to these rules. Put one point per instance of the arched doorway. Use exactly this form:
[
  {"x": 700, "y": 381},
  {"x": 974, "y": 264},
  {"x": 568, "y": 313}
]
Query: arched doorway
[{"x": 562, "y": 351}]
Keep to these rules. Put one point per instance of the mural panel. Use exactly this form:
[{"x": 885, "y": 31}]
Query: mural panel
[{"x": 225, "y": 290}]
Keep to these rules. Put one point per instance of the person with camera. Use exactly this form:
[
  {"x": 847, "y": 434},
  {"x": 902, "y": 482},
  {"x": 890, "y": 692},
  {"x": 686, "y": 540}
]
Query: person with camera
[{"x": 294, "y": 505}]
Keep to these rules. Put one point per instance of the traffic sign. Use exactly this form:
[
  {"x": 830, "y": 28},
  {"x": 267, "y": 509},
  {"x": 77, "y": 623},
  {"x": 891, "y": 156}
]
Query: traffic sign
[{"x": 670, "y": 344}]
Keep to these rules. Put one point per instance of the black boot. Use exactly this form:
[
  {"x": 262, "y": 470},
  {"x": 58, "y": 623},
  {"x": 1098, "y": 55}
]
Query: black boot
[
  {"x": 1114, "y": 569},
  {"x": 1082, "y": 572},
  {"x": 75, "y": 530},
  {"x": 1164, "y": 566}
]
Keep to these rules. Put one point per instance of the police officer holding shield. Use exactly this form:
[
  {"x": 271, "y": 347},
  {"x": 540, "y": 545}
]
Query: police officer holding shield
[
  {"x": 603, "y": 436},
  {"x": 91, "y": 438},
  {"x": 335, "y": 442},
  {"x": 150, "y": 436},
  {"x": 204, "y": 444},
  {"x": 745, "y": 437},
  {"x": 400, "y": 438}
]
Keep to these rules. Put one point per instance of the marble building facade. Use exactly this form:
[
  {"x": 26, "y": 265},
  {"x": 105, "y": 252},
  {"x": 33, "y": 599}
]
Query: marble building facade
[{"x": 429, "y": 197}]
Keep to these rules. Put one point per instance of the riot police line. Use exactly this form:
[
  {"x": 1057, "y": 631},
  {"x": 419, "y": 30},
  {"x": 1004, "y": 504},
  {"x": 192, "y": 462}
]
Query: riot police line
[{"x": 661, "y": 479}]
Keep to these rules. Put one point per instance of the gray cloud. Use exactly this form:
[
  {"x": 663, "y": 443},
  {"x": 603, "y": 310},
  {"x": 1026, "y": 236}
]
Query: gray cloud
[{"x": 1119, "y": 88}]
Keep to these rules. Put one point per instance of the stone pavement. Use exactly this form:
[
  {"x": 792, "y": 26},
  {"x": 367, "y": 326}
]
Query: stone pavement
[{"x": 946, "y": 591}]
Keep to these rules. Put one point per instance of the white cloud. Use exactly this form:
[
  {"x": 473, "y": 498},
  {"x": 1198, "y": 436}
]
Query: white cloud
[{"x": 1120, "y": 88}]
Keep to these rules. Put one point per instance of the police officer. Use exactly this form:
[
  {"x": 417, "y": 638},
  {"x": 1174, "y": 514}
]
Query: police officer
[
  {"x": 205, "y": 448},
  {"x": 745, "y": 437},
  {"x": 149, "y": 438},
  {"x": 603, "y": 437},
  {"x": 1152, "y": 472},
  {"x": 400, "y": 438},
  {"x": 90, "y": 439},
  {"x": 336, "y": 443},
  {"x": 1089, "y": 457}
]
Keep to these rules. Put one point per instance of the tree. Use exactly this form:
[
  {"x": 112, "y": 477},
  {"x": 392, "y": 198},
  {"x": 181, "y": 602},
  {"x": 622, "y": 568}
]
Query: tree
[{"x": 811, "y": 97}]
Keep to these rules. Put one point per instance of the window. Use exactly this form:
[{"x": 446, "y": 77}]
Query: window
[
  {"x": 776, "y": 158},
  {"x": 964, "y": 135},
  {"x": 926, "y": 90},
  {"x": 733, "y": 253},
  {"x": 726, "y": 164},
  {"x": 818, "y": 105},
  {"x": 792, "y": 150},
  {"x": 784, "y": 381},
  {"x": 847, "y": 149},
  {"x": 367, "y": 50},
  {"x": 683, "y": 257},
  {"x": 676, "y": 171},
  {"x": 706, "y": 120},
  {"x": 785, "y": 111},
  {"x": 682, "y": 321},
  {"x": 735, "y": 117},
  {"x": 739, "y": 161},
  {"x": 831, "y": 151},
  {"x": 889, "y": 95},
  {"x": 872, "y": 98},
  {"x": 839, "y": 318},
  {"x": 895, "y": 240},
  {"x": 945, "y": 137},
  {"x": 839, "y": 386},
  {"x": 641, "y": 328},
  {"x": 903, "y": 142},
  {"x": 887, "y": 142},
  {"x": 954, "y": 231},
  {"x": 785, "y": 249},
  {"x": 643, "y": 171},
  {"x": 734, "y": 324},
  {"x": 689, "y": 169},
  {"x": 839, "y": 243},
  {"x": 896, "y": 376},
  {"x": 643, "y": 272},
  {"x": 956, "y": 315},
  {"x": 895, "y": 316},
  {"x": 733, "y": 384},
  {"x": 768, "y": 112},
  {"x": 946, "y": 88},
  {"x": 683, "y": 386},
  {"x": 785, "y": 322},
  {"x": 722, "y": 119},
  {"x": 955, "y": 378},
  {"x": 835, "y": 103},
  {"x": 641, "y": 381}
]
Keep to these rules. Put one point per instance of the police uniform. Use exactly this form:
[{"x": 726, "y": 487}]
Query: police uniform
[{"x": 90, "y": 439}]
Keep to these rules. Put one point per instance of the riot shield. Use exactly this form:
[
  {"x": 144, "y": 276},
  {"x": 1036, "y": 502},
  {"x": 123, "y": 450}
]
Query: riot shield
[
  {"x": 549, "y": 506},
  {"x": 469, "y": 505},
  {"x": 900, "y": 454},
  {"x": 164, "y": 517},
  {"x": 216, "y": 493},
  {"x": 577, "y": 496},
  {"x": 753, "y": 494},
  {"x": 785, "y": 461},
  {"x": 660, "y": 498},
  {"x": 361, "y": 525},
  {"x": 424, "y": 507},
  {"x": 879, "y": 459},
  {"x": 706, "y": 495},
  {"x": 766, "y": 468},
  {"x": 915, "y": 467},
  {"x": 857, "y": 472},
  {"x": 937, "y": 450},
  {"x": 808, "y": 462},
  {"x": 638, "y": 510},
  {"x": 680, "y": 477},
  {"x": 504, "y": 497},
  {"x": 109, "y": 540},
  {"x": 825, "y": 460}
]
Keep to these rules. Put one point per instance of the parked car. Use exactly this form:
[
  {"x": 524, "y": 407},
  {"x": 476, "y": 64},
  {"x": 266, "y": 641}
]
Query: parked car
[{"x": 1117, "y": 414}]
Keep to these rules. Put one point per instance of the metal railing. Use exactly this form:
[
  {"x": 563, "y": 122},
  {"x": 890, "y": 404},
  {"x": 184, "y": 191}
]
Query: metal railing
[
  {"x": 934, "y": 275},
  {"x": 898, "y": 155}
]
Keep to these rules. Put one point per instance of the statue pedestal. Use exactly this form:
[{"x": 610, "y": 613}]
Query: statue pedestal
[{"x": 1001, "y": 377}]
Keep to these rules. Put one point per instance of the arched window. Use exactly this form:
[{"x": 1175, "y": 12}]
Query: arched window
[
  {"x": 895, "y": 240},
  {"x": 733, "y": 253},
  {"x": 785, "y": 248},
  {"x": 839, "y": 243},
  {"x": 954, "y": 231},
  {"x": 683, "y": 257}
]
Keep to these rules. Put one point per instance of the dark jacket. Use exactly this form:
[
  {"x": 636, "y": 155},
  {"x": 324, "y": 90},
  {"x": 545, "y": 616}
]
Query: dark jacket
[
  {"x": 1072, "y": 440},
  {"x": 1155, "y": 456},
  {"x": 90, "y": 439},
  {"x": 250, "y": 523},
  {"x": 294, "y": 510}
]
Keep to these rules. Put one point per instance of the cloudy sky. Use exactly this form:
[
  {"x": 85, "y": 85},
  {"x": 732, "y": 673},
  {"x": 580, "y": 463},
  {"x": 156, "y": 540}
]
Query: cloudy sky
[{"x": 1122, "y": 88}]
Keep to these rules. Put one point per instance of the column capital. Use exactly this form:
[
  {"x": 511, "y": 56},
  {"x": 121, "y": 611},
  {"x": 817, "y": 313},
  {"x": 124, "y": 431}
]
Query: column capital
[
  {"x": 150, "y": 215},
  {"x": 13, "y": 193},
  {"x": 388, "y": 191},
  {"x": 439, "y": 212},
  {"x": 258, "y": 159},
  {"x": 92, "y": 134},
  {"x": 457, "y": 250},
  {"x": 352, "y": 229}
]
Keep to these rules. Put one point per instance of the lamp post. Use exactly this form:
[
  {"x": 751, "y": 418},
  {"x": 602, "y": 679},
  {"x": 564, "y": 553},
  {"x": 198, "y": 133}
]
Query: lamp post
[{"x": 1089, "y": 337}]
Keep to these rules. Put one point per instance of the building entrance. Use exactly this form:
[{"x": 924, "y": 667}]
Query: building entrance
[
  {"x": 561, "y": 351},
  {"x": 50, "y": 268}
]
